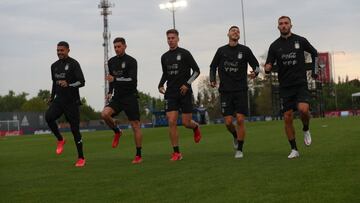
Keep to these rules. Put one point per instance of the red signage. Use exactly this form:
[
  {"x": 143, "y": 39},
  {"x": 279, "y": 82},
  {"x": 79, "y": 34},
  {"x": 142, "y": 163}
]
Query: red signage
[
  {"x": 11, "y": 133},
  {"x": 325, "y": 67}
]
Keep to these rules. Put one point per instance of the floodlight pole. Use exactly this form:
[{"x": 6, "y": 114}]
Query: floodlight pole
[
  {"x": 171, "y": 6},
  {"x": 243, "y": 25},
  {"x": 105, "y": 5},
  {"x": 333, "y": 53}
]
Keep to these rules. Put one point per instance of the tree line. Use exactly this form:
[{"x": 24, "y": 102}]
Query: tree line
[
  {"x": 260, "y": 100},
  {"x": 13, "y": 102},
  {"x": 260, "y": 95}
]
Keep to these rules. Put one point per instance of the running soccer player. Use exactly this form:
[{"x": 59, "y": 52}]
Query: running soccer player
[
  {"x": 177, "y": 64},
  {"x": 123, "y": 95},
  {"x": 232, "y": 61},
  {"x": 288, "y": 53},
  {"x": 67, "y": 78}
]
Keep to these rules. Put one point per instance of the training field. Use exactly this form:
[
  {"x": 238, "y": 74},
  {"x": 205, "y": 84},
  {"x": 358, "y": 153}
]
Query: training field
[{"x": 328, "y": 171}]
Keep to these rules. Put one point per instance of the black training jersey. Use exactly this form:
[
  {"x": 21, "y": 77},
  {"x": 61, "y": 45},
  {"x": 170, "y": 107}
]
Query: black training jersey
[
  {"x": 66, "y": 69},
  {"x": 288, "y": 53},
  {"x": 124, "y": 70},
  {"x": 176, "y": 65},
  {"x": 232, "y": 63}
]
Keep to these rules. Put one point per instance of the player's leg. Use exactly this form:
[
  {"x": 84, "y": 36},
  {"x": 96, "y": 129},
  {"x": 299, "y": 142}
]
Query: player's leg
[
  {"x": 172, "y": 106},
  {"x": 191, "y": 124},
  {"x": 136, "y": 126},
  {"x": 131, "y": 108},
  {"x": 227, "y": 111},
  {"x": 240, "y": 103},
  {"x": 172, "y": 117},
  {"x": 186, "y": 105},
  {"x": 303, "y": 108},
  {"x": 107, "y": 113},
  {"x": 240, "y": 120},
  {"x": 288, "y": 106},
  {"x": 52, "y": 114},
  {"x": 290, "y": 133},
  {"x": 72, "y": 115}
]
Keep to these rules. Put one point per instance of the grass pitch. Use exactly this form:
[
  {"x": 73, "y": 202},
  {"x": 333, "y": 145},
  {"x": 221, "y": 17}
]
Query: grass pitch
[{"x": 328, "y": 171}]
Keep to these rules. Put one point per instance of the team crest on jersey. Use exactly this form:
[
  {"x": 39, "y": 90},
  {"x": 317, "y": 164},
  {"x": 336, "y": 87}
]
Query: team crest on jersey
[
  {"x": 123, "y": 64},
  {"x": 297, "y": 45},
  {"x": 67, "y": 67},
  {"x": 240, "y": 55},
  {"x": 178, "y": 57}
]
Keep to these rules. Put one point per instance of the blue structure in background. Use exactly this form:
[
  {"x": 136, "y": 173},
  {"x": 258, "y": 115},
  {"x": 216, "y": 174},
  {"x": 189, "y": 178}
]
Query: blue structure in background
[{"x": 199, "y": 115}]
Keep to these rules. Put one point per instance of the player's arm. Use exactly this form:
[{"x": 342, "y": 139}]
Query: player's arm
[
  {"x": 53, "y": 89},
  {"x": 163, "y": 77},
  {"x": 195, "y": 73},
  {"x": 110, "y": 78},
  {"x": 254, "y": 64},
  {"x": 314, "y": 57},
  {"x": 79, "y": 77},
  {"x": 213, "y": 68},
  {"x": 195, "y": 70},
  {"x": 270, "y": 60}
]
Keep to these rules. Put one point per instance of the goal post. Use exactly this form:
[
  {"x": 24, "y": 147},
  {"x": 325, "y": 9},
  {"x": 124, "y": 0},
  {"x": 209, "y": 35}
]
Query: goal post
[{"x": 10, "y": 127}]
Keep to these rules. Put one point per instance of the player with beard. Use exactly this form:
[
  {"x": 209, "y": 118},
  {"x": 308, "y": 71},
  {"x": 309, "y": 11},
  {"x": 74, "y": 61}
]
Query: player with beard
[
  {"x": 232, "y": 61},
  {"x": 288, "y": 54},
  {"x": 123, "y": 95},
  {"x": 67, "y": 78}
]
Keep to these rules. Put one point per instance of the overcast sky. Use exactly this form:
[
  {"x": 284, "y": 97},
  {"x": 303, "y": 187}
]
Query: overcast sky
[{"x": 30, "y": 30}]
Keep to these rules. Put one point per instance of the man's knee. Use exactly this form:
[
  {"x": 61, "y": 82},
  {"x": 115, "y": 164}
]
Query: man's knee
[
  {"x": 187, "y": 123},
  {"x": 105, "y": 114},
  {"x": 228, "y": 121},
  {"x": 49, "y": 118},
  {"x": 172, "y": 122},
  {"x": 288, "y": 117},
  {"x": 135, "y": 125}
]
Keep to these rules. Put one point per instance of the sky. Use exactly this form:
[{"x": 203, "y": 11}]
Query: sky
[{"x": 30, "y": 30}]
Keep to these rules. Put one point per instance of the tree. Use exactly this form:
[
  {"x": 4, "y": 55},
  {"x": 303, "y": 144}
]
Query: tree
[
  {"x": 263, "y": 99},
  {"x": 87, "y": 113},
  {"x": 12, "y": 102},
  {"x": 35, "y": 104},
  {"x": 44, "y": 94},
  {"x": 209, "y": 98}
]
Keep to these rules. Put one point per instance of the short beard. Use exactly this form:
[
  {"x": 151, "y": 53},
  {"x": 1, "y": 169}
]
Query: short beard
[{"x": 284, "y": 33}]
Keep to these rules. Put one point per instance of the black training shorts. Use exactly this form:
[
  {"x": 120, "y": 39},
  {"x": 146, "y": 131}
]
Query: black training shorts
[
  {"x": 178, "y": 102},
  {"x": 292, "y": 96},
  {"x": 234, "y": 102},
  {"x": 129, "y": 104}
]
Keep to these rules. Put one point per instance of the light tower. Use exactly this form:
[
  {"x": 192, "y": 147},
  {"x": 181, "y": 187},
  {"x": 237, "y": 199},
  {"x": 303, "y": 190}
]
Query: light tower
[
  {"x": 105, "y": 5},
  {"x": 172, "y": 5}
]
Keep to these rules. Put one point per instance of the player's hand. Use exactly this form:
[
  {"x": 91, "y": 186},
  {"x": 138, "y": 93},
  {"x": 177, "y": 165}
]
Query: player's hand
[
  {"x": 48, "y": 100},
  {"x": 162, "y": 90},
  {"x": 108, "y": 97},
  {"x": 267, "y": 68},
  {"x": 314, "y": 75},
  {"x": 109, "y": 78},
  {"x": 252, "y": 75},
  {"x": 213, "y": 84},
  {"x": 183, "y": 89},
  {"x": 62, "y": 83}
]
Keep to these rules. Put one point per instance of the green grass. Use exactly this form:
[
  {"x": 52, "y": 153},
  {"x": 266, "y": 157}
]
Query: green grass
[{"x": 328, "y": 171}]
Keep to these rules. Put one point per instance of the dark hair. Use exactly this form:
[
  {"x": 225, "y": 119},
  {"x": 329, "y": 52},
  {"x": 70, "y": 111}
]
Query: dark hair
[
  {"x": 234, "y": 26},
  {"x": 172, "y": 31},
  {"x": 119, "y": 39},
  {"x": 63, "y": 44},
  {"x": 282, "y": 17}
]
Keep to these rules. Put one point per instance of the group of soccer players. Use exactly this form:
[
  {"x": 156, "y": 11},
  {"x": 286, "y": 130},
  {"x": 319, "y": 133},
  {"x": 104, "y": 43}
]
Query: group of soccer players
[{"x": 179, "y": 72}]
